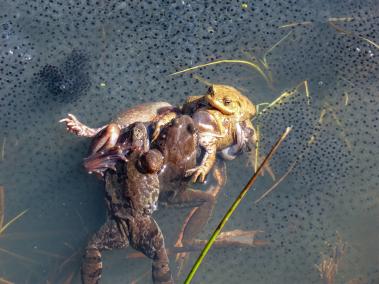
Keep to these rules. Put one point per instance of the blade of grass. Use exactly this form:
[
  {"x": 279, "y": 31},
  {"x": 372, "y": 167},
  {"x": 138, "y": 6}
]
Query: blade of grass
[
  {"x": 3, "y": 149},
  {"x": 307, "y": 91},
  {"x": 202, "y": 80},
  {"x": 290, "y": 25},
  {"x": 257, "y": 150},
  {"x": 15, "y": 255},
  {"x": 264, "y": 61},
  {"x": 349, "y": 33},
  {"x": 311, "y": 140},
  {"x": 1, "y": 206},
  {"x": 5, "y": 281},
  {"x": 276, "y": 183},
  {"x": 346, "y": 98},
  {"x": 236, "y": 61},
  {"x": 234, "y": 206},
  {"x": 12, "y": 221}
]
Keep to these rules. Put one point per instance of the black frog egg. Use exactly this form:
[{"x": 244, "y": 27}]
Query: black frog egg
[{"x": 96, "y": 58}]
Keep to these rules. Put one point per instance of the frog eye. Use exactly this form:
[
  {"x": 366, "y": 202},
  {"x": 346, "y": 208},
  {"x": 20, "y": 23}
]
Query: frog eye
[
  {"x": 211, "y": 90},
  {"x": 227, "y": 101}
]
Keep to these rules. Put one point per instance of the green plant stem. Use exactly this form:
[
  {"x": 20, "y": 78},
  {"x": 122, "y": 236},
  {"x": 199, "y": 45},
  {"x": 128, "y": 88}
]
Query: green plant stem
[{"x": 234, "y": 206}]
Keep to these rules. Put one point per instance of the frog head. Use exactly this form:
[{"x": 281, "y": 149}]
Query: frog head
[{"x": 230, "y": 101}]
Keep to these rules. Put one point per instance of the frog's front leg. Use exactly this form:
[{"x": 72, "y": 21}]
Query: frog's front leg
[
  {"x": 105, "y": 139},
  {"x": 208, "y": 142},
  {"x": 162, "y": 122},
  {"x": 74, "y": 126}
]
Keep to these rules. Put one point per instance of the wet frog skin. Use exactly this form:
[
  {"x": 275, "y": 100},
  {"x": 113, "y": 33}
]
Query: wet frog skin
[
  {"x": 132, "y": 194},
  {"x": 223, "y": 119},
  {"x": 107, "y": 136},
  {"x": 178, "y": 142}
]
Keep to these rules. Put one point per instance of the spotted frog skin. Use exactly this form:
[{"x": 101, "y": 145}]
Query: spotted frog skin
[
  {"x": 223, "y": 119},
  {"x": 132, "y": 194}
]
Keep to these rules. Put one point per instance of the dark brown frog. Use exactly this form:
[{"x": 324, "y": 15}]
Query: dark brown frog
[{"x": 132, "y": 195}]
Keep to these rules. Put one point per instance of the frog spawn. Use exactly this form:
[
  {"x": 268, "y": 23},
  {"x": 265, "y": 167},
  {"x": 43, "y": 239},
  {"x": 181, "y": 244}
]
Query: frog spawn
[{"x": 331, "y": 188}]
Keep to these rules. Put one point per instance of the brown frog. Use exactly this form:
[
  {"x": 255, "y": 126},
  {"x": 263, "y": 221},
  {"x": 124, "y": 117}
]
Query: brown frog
[
  {"x": 132, "y": 195},
  {"x": 107, "y": 136},
  {"x": 132, "y": 189},
  {"x": 223, "y": 119},
  {"x": 178, "y": 142}
]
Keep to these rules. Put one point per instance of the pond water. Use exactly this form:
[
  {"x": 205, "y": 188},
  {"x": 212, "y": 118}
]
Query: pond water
[{"x": 96, "y": 58}]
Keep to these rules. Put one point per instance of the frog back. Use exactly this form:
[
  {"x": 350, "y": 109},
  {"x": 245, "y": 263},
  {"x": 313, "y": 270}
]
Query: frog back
[{"x": 146, "y": 112}]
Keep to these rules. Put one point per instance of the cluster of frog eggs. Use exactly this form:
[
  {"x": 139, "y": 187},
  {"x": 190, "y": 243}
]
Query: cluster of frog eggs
[{"x": 93, "y": 58}]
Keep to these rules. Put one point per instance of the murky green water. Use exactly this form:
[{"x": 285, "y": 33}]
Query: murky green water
[{"x": 95, "y": 58}]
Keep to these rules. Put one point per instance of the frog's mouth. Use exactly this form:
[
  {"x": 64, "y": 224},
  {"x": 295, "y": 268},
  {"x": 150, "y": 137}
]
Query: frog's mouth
[{"x": 218, "y": 105}]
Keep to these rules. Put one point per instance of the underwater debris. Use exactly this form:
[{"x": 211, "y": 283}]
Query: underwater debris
[
  {"x": 346, "y": 80},
  {"x": 139, "y": 278},
  {"x": 202, "y": 80},
  {"x": 257, "y": 148},
  {"x": 346, "y": 98},
  {"x": 47, "y": 253},
  {"x": 287, "y": 94},
  {"x": 5, "y": 281},
  {"x": 311, "y": 140},
  {"x": 295, "y": 24},
  {"x": 339, "y": 124},
  {"x": 20, "y": 257},
  {"x": 257, "y": 144},
  {"x": 341, "y": 19},
  {"x": 235, "y": 205},
  {"x": 328, "y": 266},
  {"x": 307, "y": 23},
  {"x": 349, "y": 33},
  {"x": 322, "y": 115},
  {"x": 332, "y": 22},
  {"x": 3, "y": 149},
  {"x": 1, "y": 206},
  {"x": 307, "y": 91},
  {"x": 264, "y": 59},
  {"x": 245, "y": 6},
  {"x": 235, "y": 238},
  {"x": 68, "y": 268},
  {"x": 277, "y": 182},
  {"x": 254, "y": 157},
  {"x": 257, "y": 138},
  {"x": 3, "y": 227}
]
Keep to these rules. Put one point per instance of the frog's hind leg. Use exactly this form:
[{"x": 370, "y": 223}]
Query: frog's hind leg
[
  {"x": 198, "y": 216},
  {"x": 106, "y": 138},
  {"x": 205, "y": 200},
  {"x": 100, "y": 162},
  {"x": 74, "y": 126},
  {"x": 111, "y": 235},
  {"x": 147, "y": 237}
]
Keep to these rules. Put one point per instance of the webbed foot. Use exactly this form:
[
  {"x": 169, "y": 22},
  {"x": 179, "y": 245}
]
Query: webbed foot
[
  {"x": 198, "y": 174},
  {"x": 74, "y": 126},
  {"x": 156, "y": 132},
  {"x": 99, "y": 162}
]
